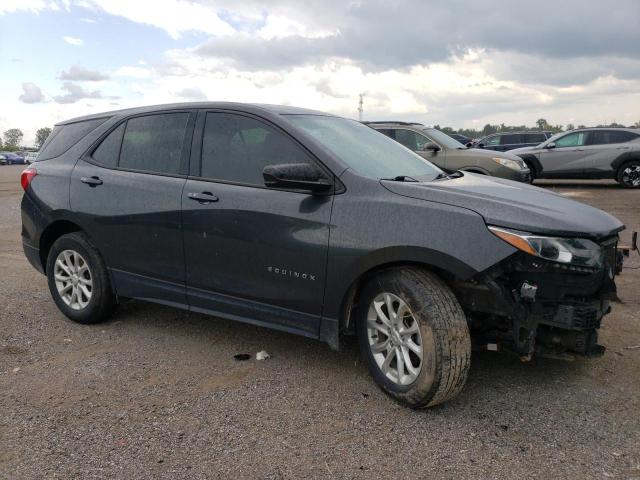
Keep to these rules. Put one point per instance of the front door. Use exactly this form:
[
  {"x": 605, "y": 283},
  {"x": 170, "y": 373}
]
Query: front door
[
  {"x": 127, "y": 194},
  {"x": 252, "y": 253},
  {"x": 568, "y": 156}
]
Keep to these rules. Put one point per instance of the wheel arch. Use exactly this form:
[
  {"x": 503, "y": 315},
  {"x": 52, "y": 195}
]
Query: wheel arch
[
  {"x": 443, "y": 265},
  {"x": 51, "y": 233},
  {"x": 533, "y": 162},
  {"x": 624, "y": 158}
]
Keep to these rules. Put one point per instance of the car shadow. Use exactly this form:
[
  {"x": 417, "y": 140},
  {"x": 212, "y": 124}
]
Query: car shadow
[
  {"x": 595, "y": 184},
  {"x": 490, "y": 372}
]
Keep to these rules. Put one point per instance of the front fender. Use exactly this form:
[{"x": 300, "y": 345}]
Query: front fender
[{"x": 377, "y": 227}]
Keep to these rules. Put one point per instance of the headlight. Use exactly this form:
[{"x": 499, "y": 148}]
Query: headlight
[
  {"x": 576, "y": 251},
  {"x": 507, "y": 162}
]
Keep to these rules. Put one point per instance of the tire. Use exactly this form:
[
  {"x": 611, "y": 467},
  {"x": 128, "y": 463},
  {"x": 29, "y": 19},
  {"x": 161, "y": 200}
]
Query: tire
[
  {"x": 75, "y": 253},
  {"x": 443, "y": 334},
  {"x": 628, "y": 174},
  {"x": 532, "y": 172}
]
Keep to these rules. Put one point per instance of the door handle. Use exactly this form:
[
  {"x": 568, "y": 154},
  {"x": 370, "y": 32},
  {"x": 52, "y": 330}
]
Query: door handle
[
  {"x": 91, "y": 181},
  {"x": 204, "y": 197},
  {"x": 579, "y": 150},
  {"x": 622, "y": 148}
]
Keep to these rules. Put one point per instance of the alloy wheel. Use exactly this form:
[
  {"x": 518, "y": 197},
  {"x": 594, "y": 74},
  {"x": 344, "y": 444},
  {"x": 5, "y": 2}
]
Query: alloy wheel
[
  {"x": 631, "y": 176},
  {"x": 394, "y": 338},
  {"x": 73, "y": 279}
]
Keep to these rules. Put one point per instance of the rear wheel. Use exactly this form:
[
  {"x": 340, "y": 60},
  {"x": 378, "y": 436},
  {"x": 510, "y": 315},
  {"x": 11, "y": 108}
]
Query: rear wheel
[
  {"x": 629, "y": 174},
  {"x": 78, "y": 279},
  {"x": 414, "y": 337}
]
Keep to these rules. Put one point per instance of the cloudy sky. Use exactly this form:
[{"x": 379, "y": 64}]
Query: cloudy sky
[{"x": 462, "y": 63}]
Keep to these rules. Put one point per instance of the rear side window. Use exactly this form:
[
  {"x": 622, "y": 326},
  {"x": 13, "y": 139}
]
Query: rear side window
[
  {"x": 153, "y": 143},
  {"x": 511, "y": 139},
  {"x": 387, "y": 131},
  {"x": 108, "y": 151},
  {"x": 236, "y": 149},
  {"x": 535, "y": 137},
  {"x": 66, "y": 136},
  {"x": 491, "y": 141},
  {"x": 601, "y": 137}
]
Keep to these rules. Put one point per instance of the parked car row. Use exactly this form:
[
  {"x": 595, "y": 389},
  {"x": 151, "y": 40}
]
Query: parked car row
[
  {"x": 450, "y": 155},
  {"x": 587, "y": 153},
  {"x": 324, "y": 227},
  {"x": 505, "y": 141},
  {"x": 10, "y": 158}
]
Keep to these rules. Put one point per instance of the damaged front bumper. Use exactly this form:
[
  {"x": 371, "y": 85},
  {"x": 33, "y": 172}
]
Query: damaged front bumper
[{"x": 532, "y": 306}]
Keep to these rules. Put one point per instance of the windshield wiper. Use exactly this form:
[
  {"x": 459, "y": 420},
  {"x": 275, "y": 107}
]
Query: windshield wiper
[
  {"x": 456, "y": 174},
  {"x": 401, "y": 178}
]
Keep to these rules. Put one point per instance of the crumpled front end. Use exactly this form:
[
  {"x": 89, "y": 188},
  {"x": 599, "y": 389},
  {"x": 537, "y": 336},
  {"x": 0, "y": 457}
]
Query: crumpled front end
[{"x": 530, "y": 305}]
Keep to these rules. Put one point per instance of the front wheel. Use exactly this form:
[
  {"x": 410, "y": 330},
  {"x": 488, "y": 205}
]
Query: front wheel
[
  {"x": 414, "y": 337},
  {"x": 629, "y": 174}
]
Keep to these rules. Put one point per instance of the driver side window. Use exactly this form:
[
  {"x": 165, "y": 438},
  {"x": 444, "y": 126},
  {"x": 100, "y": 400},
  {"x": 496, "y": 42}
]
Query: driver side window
[
  {"x": 412, "y": 140},
  {"x": 492, "y": 141},
  {"x": 576, "y": 139},
  {"x": 236, "y": 148}
]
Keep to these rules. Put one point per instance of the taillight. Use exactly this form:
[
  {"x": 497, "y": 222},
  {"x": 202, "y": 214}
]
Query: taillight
[{"x": 26, "y": 177}]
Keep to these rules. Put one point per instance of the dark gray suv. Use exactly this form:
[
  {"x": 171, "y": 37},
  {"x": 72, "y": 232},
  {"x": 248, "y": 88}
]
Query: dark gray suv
[{"x": 315, "y": 225}]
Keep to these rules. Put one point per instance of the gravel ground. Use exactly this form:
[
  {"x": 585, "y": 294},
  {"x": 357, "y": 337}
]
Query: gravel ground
[{"x": 156, "y": 393}]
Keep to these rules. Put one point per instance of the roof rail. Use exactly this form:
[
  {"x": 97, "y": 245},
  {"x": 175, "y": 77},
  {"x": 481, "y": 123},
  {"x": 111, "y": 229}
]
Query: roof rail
[{"x": 393, "y": 122}]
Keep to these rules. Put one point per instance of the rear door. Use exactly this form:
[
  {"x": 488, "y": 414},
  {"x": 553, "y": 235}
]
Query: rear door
[
  {"x": 127, "y": 194},
  {"x": 604, "y": 147},
  {"x": 253, "y": 253},
  {"x": 568, "y": 156}
]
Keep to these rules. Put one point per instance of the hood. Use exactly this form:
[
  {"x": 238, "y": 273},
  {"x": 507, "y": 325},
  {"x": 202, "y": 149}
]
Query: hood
[
  {"x": 516, "y": 151},
  {"x": 513, "y": 205},
  {"x": 481, "y": 153}
]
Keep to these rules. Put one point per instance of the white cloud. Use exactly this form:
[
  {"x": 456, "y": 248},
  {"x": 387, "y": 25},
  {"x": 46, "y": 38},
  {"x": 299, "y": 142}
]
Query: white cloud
[
  {"x": 133, "y": 72},
  {"x": 82, "y": 74},
  {"x": 173, "y": 16},
  {"x": 73, "y": 41},
  {"x": 31, "y": 93},
  {"x": 10, "y": 6}
]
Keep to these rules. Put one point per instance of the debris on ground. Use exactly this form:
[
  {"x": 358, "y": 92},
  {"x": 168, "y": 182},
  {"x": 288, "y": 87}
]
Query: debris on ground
[
  {"x": 262, "y": 355},
  {"x": 241, "y": 357}
]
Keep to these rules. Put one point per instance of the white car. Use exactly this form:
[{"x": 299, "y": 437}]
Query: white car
[{"x": 30, "y": 157}]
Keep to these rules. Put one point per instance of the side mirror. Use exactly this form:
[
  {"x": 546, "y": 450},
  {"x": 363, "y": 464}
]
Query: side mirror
[
  {"x": 550, "y": 145},
  {"x": 296, "y": 176},
  {"x": 480, "y": 145},
  {"x": 468, "y": 144},
  {"x": 432, "y": 147}
]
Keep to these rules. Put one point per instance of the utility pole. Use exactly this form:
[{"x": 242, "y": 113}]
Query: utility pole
[{"x": 360, "y": 109}]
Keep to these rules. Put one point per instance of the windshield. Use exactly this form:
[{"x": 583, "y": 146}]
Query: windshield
[
  {"x": 443, "y": 139},
  {"x": 363, "y": 149}
]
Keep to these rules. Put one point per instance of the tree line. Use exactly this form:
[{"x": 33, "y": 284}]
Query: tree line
[
  {"x": 12, "y": 139},
  {"x": 541, "y": 124}
]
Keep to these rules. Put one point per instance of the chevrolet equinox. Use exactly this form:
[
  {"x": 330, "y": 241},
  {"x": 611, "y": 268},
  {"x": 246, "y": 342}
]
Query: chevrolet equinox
[{"x": 320, "y": 226}]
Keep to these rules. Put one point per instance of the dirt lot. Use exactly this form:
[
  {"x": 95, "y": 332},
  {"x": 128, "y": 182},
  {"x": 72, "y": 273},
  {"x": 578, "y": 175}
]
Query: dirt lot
[{"x": 156, "y": 393}]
